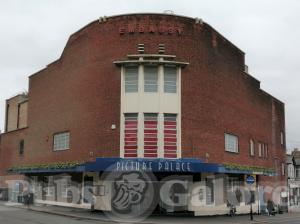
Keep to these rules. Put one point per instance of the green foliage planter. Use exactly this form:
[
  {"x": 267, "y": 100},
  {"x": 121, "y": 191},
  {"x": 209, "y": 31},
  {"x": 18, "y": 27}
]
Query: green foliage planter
[
  {"x": 51, "y": 166},
  {"x": 251, "y": 169}
]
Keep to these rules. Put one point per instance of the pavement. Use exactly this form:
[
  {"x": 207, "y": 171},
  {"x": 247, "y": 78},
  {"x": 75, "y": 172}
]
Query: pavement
[{"x": 36, "y": 211}]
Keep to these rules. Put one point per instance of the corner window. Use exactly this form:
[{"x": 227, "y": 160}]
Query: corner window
[
  {"x": 131, "y": 79},
  {"x": 150, "y": 79},
  {"x": 170, "y": 79},
  {"x": 21, "y": 147},
  {"x": 61, "y": 141},
  {"x": 252, "y": 148},
  {"x": 231, "y": 143}
]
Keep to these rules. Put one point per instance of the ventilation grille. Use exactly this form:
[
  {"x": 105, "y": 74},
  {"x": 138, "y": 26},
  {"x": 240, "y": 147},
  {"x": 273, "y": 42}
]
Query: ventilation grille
[{"x": 161, "y": 48}]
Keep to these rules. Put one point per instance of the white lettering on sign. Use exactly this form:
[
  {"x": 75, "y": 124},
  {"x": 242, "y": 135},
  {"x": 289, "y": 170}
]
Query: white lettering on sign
[{"x": 168, "y": 166}]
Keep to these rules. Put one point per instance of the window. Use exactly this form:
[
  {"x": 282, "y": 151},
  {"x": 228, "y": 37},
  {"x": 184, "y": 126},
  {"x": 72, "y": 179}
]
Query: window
[
  {"x": 65, "y": 186},
  {"x": 7, "y": 118},
  {"x": 234, "y": 194},
  {"x": 266, "y": 151},
  {"x": 170, "y": 135},
  {"x": 21, "y": 147},
  {"x": 263, "y": 150},
  {"x": 297, "y": 169},
  {"x": 252, "y": 198},
  {"x": 50, "y": 186},
  {"x": 131, "y": 135},
  {"x": 170, "y": 79},
  {"x": 150, "y": 79},
  {"x": 282, "y": 138},
  {"x": 231, "y": 143},
  {"x": 282, "y": 169},
  {"x": 259, "y": 150},
  {"x": 131, "y": 79},
  {"x": 61, "y": 141},
  {"x": 252, "y": 148},
  {"x": 209, "y": 191},
  {"x": 201, "y": 194},
  {"x": 150, "y": 135},
  {"x": 100, "y": 190}
]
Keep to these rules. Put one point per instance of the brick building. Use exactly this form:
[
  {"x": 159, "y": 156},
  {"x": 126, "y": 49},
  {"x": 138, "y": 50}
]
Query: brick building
[{"x": 150, "y": 88}]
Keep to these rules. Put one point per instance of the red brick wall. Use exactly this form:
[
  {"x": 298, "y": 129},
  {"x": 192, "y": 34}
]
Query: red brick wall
[
  {"x": 80, "y": 93},
  {"x": 9, "y": 153}
]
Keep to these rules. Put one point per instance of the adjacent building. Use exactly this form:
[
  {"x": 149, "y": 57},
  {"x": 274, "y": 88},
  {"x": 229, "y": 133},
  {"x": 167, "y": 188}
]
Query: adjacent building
[
  {"x": 164, "y": 92},
  {"x": 293, "y": 166}
]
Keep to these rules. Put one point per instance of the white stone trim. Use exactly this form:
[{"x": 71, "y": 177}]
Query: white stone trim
[{"x": 158, "y": 102}]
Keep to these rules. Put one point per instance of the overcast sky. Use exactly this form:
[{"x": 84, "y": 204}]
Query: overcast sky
[{"x": 33, "y": 33}]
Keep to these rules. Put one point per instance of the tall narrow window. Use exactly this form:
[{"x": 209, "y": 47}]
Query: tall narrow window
[
  {"x": 150, "y": 79},
  {"x": 170, "y": 79},
  {"x": 50, "y": 186},
  {"x": 266, "y": 150},
  {"x": 150, "y": 135},
  {"x": 252, "y": 148},
  {"x": 130, "y": 135},
  {"x": 210, "y": 199},
  {"x": 61, "y": 141},
  {"x": 231, "y": 143},
  {"x": 297, "y": 171},
  {"x": 65, "y": 186},
  {"x": 21, "y": 147},
  {"x": 282, "y": 138},
  {"x": 233, "y": 190},
  {"x": 259, "y": 150},
  {"x": 282, "y": 169},
  {"x": 170, "y": 135},
  {"x": 7, "y": 118},
  {"x": 131, "y": 79}
]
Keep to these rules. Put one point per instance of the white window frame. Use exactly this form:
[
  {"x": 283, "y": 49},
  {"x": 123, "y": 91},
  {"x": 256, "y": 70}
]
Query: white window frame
[
  {"x": 229, "y": 145},
  {"x": 151, "y": 79},
  {"x": 61, "y": 141},
  {"x": 131, "y": 86},
  {"x": 168, "y": 83},
  {"x": 252, "y": 147}
]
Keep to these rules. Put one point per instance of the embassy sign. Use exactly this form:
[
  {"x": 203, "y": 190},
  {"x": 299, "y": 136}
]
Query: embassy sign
[{"x": 140, "y": 28}]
